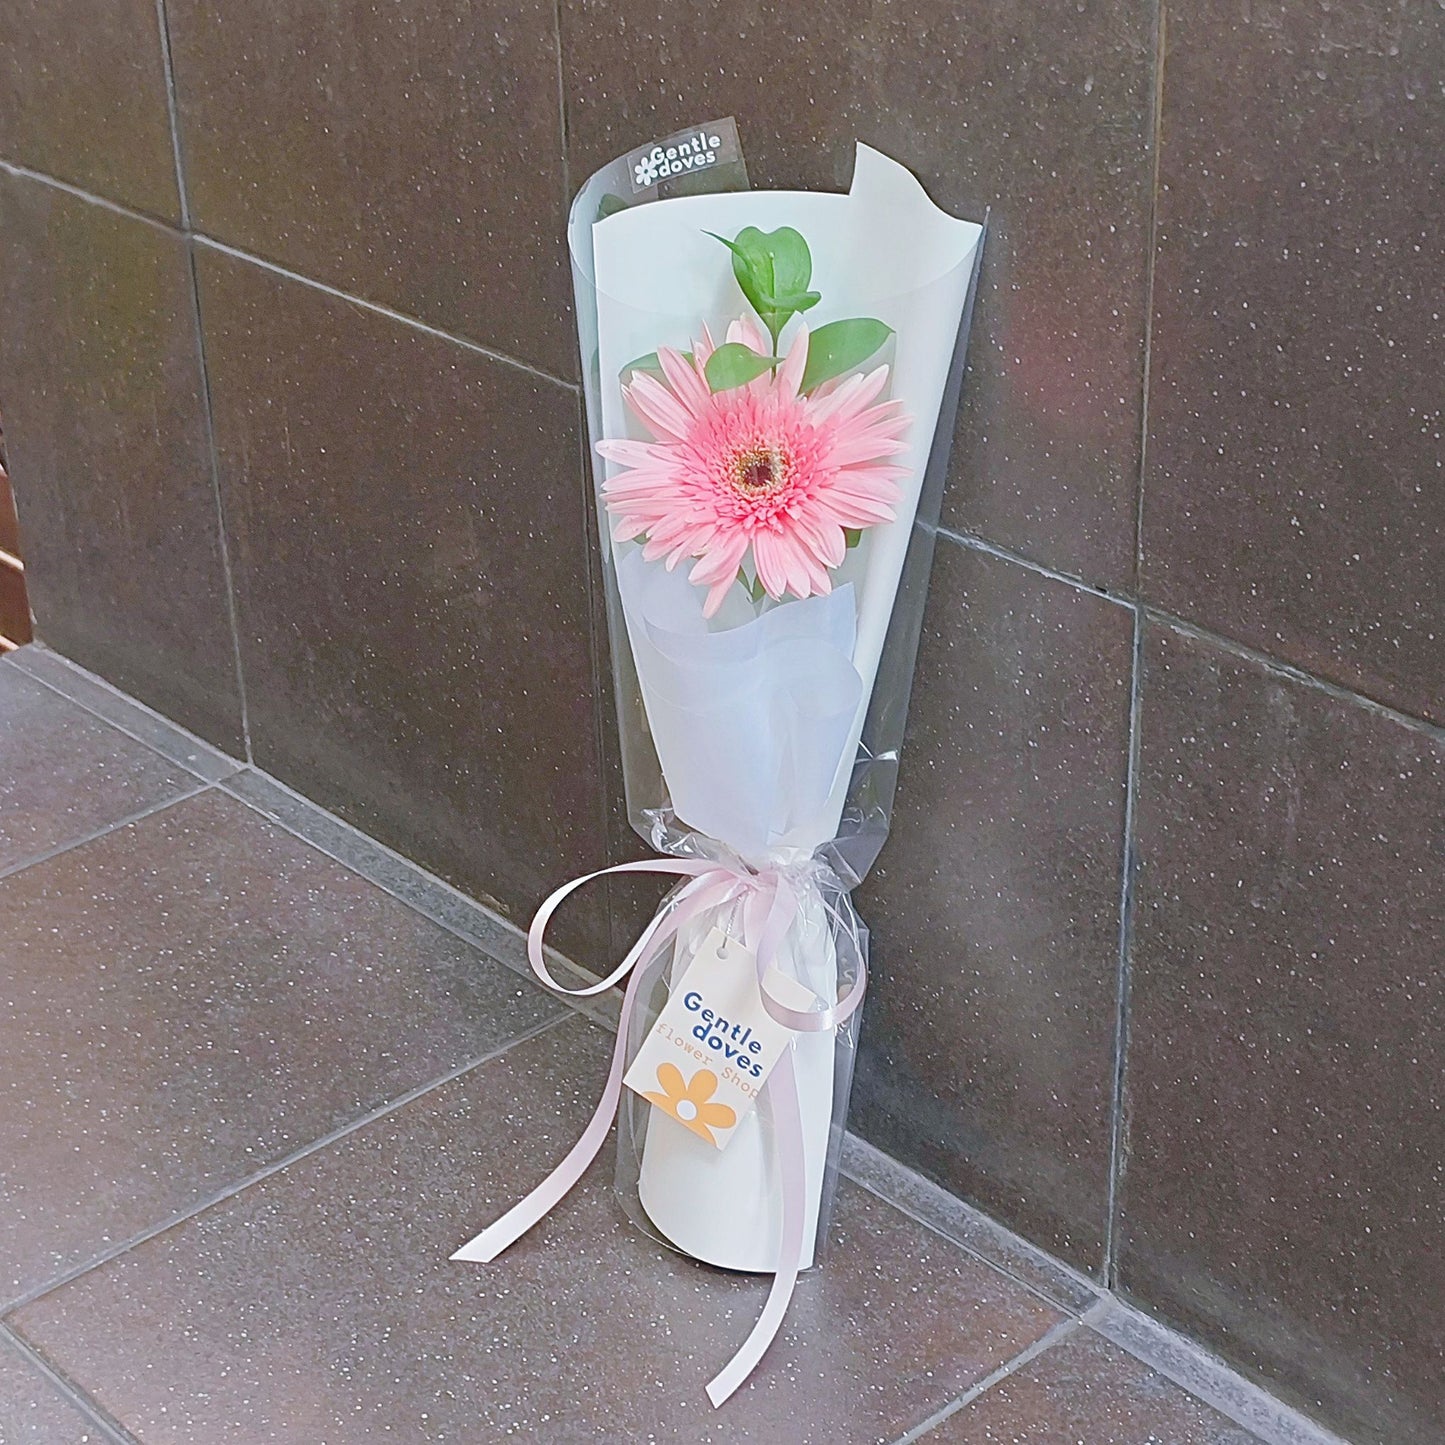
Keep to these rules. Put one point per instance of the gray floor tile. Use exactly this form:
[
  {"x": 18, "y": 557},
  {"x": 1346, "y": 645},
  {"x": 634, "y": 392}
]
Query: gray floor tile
[
  {"x": 987, "y": 1057},
  {"x": 131, "y": 717},
  {"x": 64, "y": 774},
  {"x": 960, "y": 1221},
  {"x": 320, "y": 1305},
  {"x": 193, "y": 997},
  {"x": 32, "y": 1409}
]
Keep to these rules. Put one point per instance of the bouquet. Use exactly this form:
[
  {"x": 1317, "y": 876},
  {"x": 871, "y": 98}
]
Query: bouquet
[{"x": 771, "y": 380}]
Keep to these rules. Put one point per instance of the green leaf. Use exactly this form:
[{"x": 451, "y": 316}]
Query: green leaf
[
  {"x": 773, "y": 269},
  {"x": 794, "y": 301},
  {"x": 852, "y": 535},
  {"x": 735, "y": 365},
  {"x": 840, "y": 346},
  {"x": 754, "y": 588},
  {"x": 609, "y": 205}
]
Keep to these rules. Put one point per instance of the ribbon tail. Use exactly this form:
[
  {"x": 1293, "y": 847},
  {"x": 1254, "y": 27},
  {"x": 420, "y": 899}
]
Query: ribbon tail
[
  {"x": 505, "y": 1231},
  {"x": 782, "y": 1087}
]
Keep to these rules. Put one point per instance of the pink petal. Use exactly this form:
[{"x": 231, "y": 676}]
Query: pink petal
[
  {"x": 629, "y": 453},
  {"x": 690, "y": 389},
  {"x": 701, "y": 350},
  {"x": 790, "y": 373},
  {"x": 747, "y": 331},
  {"x": 657, "y": 406},
  {"x": 715, "y": 598},
  {"x": 720, "y": 564}
]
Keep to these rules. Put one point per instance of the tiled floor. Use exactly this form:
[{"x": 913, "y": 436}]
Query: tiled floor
[{"x": 260, "y": 1077}]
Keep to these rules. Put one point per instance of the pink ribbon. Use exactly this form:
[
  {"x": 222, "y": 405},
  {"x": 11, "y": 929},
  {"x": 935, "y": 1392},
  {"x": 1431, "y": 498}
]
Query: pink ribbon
[{"x": 770, "y": 903}]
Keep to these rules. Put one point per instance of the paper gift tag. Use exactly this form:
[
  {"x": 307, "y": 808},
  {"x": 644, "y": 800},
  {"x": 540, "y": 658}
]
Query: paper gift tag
[{"x": 714, "y": 1044}]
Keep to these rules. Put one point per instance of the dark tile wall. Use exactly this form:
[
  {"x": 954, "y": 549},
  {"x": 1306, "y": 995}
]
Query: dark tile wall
[
  {"x": 410, "y": 564},
  {"x": 1283, "y": 1180},
  {"x": 410, "y": 154},
  {"x": 1217, "y": 848},
  {"x": 1285, "y": 1193},
  {"x": 105, "y": 435},
  {"x": 1295, "y": 459},
  {"x": 988, "y": 1045},
  {"x": 83, "y": 98}
]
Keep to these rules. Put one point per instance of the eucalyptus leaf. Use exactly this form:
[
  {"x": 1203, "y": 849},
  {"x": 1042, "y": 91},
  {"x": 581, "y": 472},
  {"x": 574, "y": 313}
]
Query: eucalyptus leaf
[
  {"x": 609, "y": 205},
  {"x": 794, "y": 301},
  {"x": 773, "y": 269},
  {"x": 839, "y": 347},
  {"x": 734, "y": 364}
]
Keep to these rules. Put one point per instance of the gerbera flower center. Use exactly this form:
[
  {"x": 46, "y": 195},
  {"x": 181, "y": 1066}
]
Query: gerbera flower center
[{"x": 758, "y": 471}]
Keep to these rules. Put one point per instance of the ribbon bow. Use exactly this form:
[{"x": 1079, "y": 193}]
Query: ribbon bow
[{"x": 770, "y": 902}]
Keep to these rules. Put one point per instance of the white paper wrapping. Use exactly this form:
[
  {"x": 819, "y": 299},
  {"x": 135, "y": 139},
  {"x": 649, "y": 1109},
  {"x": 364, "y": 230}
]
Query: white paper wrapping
[
  {"x": 883, "y": 250},
  {"x": 756, "y": 720}
]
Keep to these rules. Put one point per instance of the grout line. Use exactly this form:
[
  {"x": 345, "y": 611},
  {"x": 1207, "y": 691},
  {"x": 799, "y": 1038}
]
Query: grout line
[
  {"x": 139, "y": 816},
  {"x": 233, "y": 614},
  {"x": 207, "y": 404},
  {"x": 172, "y": 109},
  {"x": 1047, "y": 1341},
  {"x": 1118, "y": 1141},
  {"x": 1003, "y": 554},
  {"x": 415, "y": 323},
  {"x": 1123, "y": 981},
  {"x": 1206, "y": 1377},
  {"x": 80, "y": 193},
  {"x": 1243, "y": 650},
  {"x": 564, "y": 129},
  {"x": 225, "y": 248},
  {"x": 325, "y": 1141},
  {"x": 72, "y": 1393},
  {"x": 1146, "y": 378},
  {"x": 1269, "y": 663}
]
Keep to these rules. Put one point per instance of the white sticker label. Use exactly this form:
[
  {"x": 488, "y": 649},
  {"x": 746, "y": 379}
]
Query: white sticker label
[{"x": 714, "y": 1044}]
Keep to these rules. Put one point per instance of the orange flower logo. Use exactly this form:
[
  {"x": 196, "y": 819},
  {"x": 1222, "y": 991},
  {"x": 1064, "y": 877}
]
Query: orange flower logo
[{"x": 688, "y": 1102}]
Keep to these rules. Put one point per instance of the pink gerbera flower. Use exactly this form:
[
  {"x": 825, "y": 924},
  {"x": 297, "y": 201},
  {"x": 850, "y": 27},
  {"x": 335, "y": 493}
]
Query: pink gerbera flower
[{"x": 757, "y": 469}]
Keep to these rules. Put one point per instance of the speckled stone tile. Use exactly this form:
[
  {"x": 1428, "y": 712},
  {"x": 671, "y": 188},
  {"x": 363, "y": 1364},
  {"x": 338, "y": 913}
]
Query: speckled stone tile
[
  {"x": 123, "y": 712},
  {"x": 411, "y": 155},
  {"x": 987, "y": 1059},
  {"x": 64, "y": 774},
  {"x": 320, "y": 1303},
  {"x": 33, "y": 1411},
  {"x": 105, "y": 440},
  {"x": 195, "y": 996},
  {"x": 83, "y": 97},
  {"x": 1283, "y": 1198},
  {"x": 1042, "y": 113},
  {"x": 1296, "y": 463},
  {"x": 1085, "y": 1391},
  {"x": 410, "y": 558}
]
